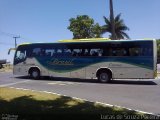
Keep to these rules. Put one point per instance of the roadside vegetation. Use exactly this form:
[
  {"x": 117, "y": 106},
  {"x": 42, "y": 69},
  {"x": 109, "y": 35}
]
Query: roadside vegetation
[
  {"x": 119, "y": 25},
  {"x": 38, "y": 105},
  {"x": 6, "y": 68},
  {"x": 158, "y": 50},
  {"x": 84, "y": 26}
]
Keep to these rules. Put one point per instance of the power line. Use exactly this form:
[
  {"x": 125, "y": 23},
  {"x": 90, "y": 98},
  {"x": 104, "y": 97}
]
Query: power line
[
  {"x": 7, "y": 34},
  {"x": 13, "y": 35},
  {"x": 4, "y": 43}
]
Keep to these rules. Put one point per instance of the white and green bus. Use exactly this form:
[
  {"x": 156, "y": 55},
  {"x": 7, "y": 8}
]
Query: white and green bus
[{"x": 88, "y": 58}]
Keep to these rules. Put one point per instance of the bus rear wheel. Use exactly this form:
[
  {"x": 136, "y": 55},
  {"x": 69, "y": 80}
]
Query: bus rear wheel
[
  {"x": 35, "y": 74},
  {"x": 104, "y": 77}
]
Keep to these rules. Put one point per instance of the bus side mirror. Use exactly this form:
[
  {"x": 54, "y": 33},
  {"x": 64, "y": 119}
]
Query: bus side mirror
[{"x": 11, "y": 50}]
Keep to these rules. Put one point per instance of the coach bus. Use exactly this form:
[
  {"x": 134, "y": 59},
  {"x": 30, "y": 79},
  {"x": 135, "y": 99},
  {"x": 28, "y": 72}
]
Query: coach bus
[{"x": 88, "y": 58}]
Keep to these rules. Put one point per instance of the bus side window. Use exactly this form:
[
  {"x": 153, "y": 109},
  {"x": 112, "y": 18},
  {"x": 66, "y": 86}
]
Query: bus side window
[
  {"x": 36, "y": 52},
  {"x": 93, "y": 52},
  {"x": 76, "y": 52},
  {"x": 86, "y": 53},
  {"x": 42, "y": 52},
  {"x": 67, "y": 52},
  {"x": 105, "y": 52},
  {"x": 110, "y": 52},
  {"x": 100, "y": 52},
  {"x": 121, "y": 52},
  {"x": 135, "y": 51},
  {"x": 96, "y": 52},
  {"x": 49, "y": 52},
  {"x": 150, "y": 52},
  {"x": 58, "y": 52},
  {"x": 147, "y": 52},
  {"x": 114, "y": 53}
]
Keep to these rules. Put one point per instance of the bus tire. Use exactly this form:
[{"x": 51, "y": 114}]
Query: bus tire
[
  {"x": 35, "y": 73},
  {"x": 104, "y": 77}
]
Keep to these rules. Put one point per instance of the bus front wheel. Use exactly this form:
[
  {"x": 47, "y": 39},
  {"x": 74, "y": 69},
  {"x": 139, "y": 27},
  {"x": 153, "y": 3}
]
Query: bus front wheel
[
  {"x": 104, "y": 77},
  {"x": 35, "y": 73}
]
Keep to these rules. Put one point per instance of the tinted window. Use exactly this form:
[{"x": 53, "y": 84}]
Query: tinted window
[{"x": 129, "y": 48}]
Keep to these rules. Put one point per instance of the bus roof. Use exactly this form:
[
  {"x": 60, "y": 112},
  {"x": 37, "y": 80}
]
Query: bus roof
[
  {"x": 87, "y": 40},
  {"x": 99, "y": 40}
]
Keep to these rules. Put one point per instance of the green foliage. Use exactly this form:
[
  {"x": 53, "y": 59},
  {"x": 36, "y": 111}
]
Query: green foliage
[
  {"x": 83, "y": 27},
  {"x": 97, "y": 30},
  {"x": 158, "y": 48},
  {"x": 120, "y": 27}
]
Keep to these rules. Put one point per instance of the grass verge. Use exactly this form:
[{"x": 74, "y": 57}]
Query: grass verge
[{"x": 27, "y": 104}]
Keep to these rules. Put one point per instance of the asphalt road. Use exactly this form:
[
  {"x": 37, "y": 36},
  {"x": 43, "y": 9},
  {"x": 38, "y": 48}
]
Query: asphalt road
[{"x": 138, "y": 95}]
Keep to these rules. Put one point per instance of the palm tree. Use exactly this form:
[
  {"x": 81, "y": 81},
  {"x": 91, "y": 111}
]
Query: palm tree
[
  {"x": 113, "y": 34},
  {"x": 119, "y": 25}
]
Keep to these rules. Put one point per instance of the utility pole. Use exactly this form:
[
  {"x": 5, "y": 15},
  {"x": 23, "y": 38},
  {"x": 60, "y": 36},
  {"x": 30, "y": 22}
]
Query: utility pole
[
  {"x": 113, "y": 36},
  {"x": 15, "y": 38}
]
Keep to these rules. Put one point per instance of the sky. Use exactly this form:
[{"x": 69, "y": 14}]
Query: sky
[{"x": 47, "y": 20}]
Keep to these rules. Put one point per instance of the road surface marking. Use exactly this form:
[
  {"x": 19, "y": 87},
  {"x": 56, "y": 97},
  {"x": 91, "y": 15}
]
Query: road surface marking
[
  {"x": 9, "y": 84},
  {"x": 56, "y": 83},
  {"x": 62, "y": 83},
  {"x": 105, "y": 104}
]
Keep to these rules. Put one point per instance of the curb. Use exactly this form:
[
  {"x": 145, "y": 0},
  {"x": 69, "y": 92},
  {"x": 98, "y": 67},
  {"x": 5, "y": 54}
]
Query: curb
[{"x": 97, "y": 102}]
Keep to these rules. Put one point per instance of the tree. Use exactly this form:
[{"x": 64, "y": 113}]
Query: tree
[
  {"x": 83, "y": 27},
  {"x": 120, "y": 27},
  {"x": 97, "y": 31},
  {"x": 113, "y": 34},
  {"x": 158, "y": 51}
]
